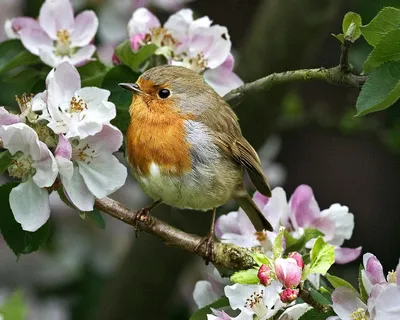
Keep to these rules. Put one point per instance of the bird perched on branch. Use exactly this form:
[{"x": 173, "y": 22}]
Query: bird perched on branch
[{"x": 186, "y": 149}]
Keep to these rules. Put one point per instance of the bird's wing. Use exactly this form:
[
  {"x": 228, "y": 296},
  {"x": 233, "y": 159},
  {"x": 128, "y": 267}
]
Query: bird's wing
[{"x": 225, "y": 129}]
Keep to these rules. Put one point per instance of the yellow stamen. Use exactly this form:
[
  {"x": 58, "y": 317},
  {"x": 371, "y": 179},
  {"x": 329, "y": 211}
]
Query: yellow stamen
[
  {"x": 391, "y": 276},
  {"x": 359, "y": 314},
  {"x": 77, "y": 105},
  {"x": 64, "y": 37},
  {"x": 24, "y": 101}
]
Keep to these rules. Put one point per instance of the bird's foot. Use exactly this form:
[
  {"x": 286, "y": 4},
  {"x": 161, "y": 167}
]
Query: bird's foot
[
  {"x": 208, "y": 241},
  {"x": 140, "y": 216}
]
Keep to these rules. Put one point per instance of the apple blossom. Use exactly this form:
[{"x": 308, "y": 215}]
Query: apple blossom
[
  {"x": 289, "y": 295},
  {"x": 288, "y": 272},
  {"x": 35, "y": 165},
  {"x": 264, "y": 274},
  {"x": 57, "y": 36},
  {"x": 70, "y": 109},
  {"x": 87, "y": 167},
  {"x": 221, "y": 315},
  {"x": 299, "y": 259}
]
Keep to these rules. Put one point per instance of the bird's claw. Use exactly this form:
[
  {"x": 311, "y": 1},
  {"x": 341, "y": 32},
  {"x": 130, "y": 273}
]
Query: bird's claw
[{"x": 209, "y": 243}]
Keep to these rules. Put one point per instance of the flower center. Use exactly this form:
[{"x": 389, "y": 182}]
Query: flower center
[
  {"x": 161, "y": 37},
  {"x": 63, "y": 44},
  {"x": 256, "y": 303},
  {"x": 77, "y": 105},
  {"x": 359, "y": 314},
  {"x": 21, "y": 166},
  {"x": 84, "y": 154},
  {"x": 261, "y": 236},
  {"x": 391, "y": 277}
]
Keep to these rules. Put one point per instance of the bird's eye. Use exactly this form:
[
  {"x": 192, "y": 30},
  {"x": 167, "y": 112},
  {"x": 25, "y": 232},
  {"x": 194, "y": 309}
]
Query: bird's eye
[{"x": 164, "y": 93}]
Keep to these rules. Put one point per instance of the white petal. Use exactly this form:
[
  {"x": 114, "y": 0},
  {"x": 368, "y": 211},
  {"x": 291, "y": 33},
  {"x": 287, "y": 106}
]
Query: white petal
[
  {"x": 48, "y": 57},
  {"x": 142, "y": 21},
  {"x": 20, "y": 137},
  {"x": 344, "y": 222},
  {"x": 103, "y": 175},
  {"x": 35, "y": 40},
  {"x": 68, "y": 80},
  {"x": 295, "y": 312},
  {"x": 65, "y": 167},
  {"x": 277, "y": 208},
  {"x": 387, "y": 305},
  {"x": 222, "y": 80},
  {"x": 77, "y": 191},
  {"x": 86, "y": 24},
  {"x": 204, "y": 294},
  {"x": 14, "y": 26},
  {"x": 7, "y": 118},
  {"x": 345, "y": 302},
  {"x": 46, "y": 167},
  {"x": 56, "y": 15},
  {"x": 108, "y": 140},
  {"x": 39, "y": 102},
  {"x": 179, "y": 23},
  {"x": 30, "y": 205},
  {"x": 82, "y": 56}
]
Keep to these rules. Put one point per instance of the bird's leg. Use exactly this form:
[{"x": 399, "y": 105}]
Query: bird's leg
[
  {"x": 142, "y": 214},
  {"x": 208, "y": 240}
]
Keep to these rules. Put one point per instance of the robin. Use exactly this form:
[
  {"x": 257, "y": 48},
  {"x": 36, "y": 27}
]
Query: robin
[{"x": 186, "y": 149}]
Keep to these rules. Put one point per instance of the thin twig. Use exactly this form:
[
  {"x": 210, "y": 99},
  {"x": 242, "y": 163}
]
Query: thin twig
[{"x": 344, "y": 56}]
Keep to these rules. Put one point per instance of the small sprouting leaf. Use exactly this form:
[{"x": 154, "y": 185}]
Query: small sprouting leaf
[
  {"x": 381, "y": 90},
  {"x": 293, "y": 244},
  {"x": 201, "y": 314},
  {"x": 94, "y": 216},
  {"x": 351, "y": 26},
  {"x": 19, "y": 240},
  {"x": 5, "y": 161},
  {"x": 387, "y": 49},
  {"x": 134, "y": 59},
  {"x": 92, "y": 74},
  {"x": 278, "y": 245},
  {"x": 337, "y": 282},
  {"x": 363, "y": 292},
  {"x": 14, "y": 307},
  {"x": 245, "y": 276},
  {"x": 260, "y": 259},
  {"x": 339, "y": 36},
  {"x": 13, "y": 55},
  {"x": 386, "y": 20},
  {"x": 322, "y": 256}
]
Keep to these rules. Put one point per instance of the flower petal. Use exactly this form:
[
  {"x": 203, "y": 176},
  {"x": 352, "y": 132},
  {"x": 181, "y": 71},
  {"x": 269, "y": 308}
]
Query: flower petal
[
  {"x": 77, "y": 191},
  {"x": 178, "y": 24},
  {"x": 63, "y": 155},
  {"x": 345, "y": 302},
  {"x": 108, "y": 140},
  {"x": 142, "y": 21},
  {"x": 48, "y": 57},
  {"x": 20, "y": 137},
  {"x": 277, "y": 210},
  {"x": 222, "y": 80},
  {"x": 35, "y": 40},
  {"x": 68, "y": 81},
  {"x": 56, "y": 15},
  {"x": 303, "y": 206},
  {"x": 82, "y": 56},
  {"x": 30, "y": 205},
  {"x": 346, "y": 255},
  {"x": 373, "y": 269},
  {"x": 86, "y": 24},
  {"x": 387, "y": 305},
  {"x": 19, "y": 23},
  {"x": 204, "y": 294},
  {"x": 288, "y": 272},
  {"x": 295, "y": 312},
  {"x": 343, "y": 220},
  {"x": 398, "y": 274},
  {"x": 46, "y": 167},
  {"x": 7, "y": 118},
  {"x": 103, "y": 175}
]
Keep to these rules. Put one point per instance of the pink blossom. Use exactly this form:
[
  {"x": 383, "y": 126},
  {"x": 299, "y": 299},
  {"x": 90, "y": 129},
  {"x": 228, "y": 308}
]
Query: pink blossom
[
  {"x": 288, "y": 272},
  {"x": 299, "y": 259},
  {"x": 264, "y": 274},
  {"x": 289, "y": 295}
]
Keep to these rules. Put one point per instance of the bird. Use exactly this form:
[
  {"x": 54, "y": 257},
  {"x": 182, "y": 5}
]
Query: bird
[{"x": 185, "y": 147}]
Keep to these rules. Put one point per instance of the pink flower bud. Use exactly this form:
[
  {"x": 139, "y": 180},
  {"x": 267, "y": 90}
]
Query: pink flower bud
[
  {"x": 264, "y": 275},
  {"x": 289, "y": 295},
  {"x": 115, "y": 59},
  {"x": 299, "y": 259},
  {"x": 288, "y": 272},
  {"x": 136, "y": 41}
]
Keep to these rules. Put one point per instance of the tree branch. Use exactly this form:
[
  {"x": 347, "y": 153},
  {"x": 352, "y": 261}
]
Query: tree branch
[
  {"x": 225, "y": 255},
  {"x": 339, "y": 75}
]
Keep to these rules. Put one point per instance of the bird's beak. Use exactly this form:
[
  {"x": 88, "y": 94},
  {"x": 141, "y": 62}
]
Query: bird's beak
[{"x": 131, "y": 87}]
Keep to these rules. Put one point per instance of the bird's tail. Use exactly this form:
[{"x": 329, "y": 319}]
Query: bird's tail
[{"x": 258, "y": 220}]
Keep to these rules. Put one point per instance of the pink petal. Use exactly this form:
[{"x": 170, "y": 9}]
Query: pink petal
[
  {"x": 346, "y": 255},
  {"x": 64, "y": 148},
  {"x": 17, "y": 24},
  {"x": 7, "y": 118},
  {"x": 136, "y": 41},
  {"x": 56, "y": 15},
  {"x": 325, "y": 225},
  {"x": 67, "y": 79},
  {"x": 86, "y": 24},
  {"x": 82, "y": 56},
  {"x": 373, "y": 269},
  {"x": 222, "y": 80},
  {"x": 260, "y": 200},
  {"x": 108, "y": 140},
  {"x": 288, "y": 272},
  {"x": 387, "y": 305},
  {"x": 142, "y": 21},
  {"x": 304, "y": 207},
  {"x": 398, "y": 274},
  {"x": 235, "y": 222},
  {"x": 35, "y": 39}
]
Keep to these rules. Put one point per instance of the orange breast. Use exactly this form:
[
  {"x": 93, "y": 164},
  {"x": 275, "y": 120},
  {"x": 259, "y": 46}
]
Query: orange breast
[{"x": 156, "y": 134}]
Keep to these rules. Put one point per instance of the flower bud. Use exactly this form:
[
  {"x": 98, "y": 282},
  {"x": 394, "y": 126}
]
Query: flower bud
[
  {"x": 299, "y": 259},
  {"x": 264, "y": 275},
  {"x": 288, "y": 272},
  {"x": 115, "y": 60},
  {"x": 289, "y": 295}
]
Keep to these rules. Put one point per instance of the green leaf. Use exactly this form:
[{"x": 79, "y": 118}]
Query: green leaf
[
  {"x": 293, "y": 244},
  {"x": 134, "y": 59},
  {"x": 260, "y": 259},
  {"x": 278, "y": 245},
  {"x": 92, "y": 74},
  {"x": 20, "y": 241},
  {"x": 351, "y": 26},
  {"x": 315, "y": 315},
  {"x": 386, "y": 20},
  {"x": 322, "y": 256},
  {"x": 120, "y": 97},
  {"x": 245, "y": 276},
  {"x": 339, "y": 36},
  {"x": 95, "y": 216},
  {"x": 13, "y": 55},
  {"x": 363, "y": 292},
  {"x": 322, "y": 298},
  {"x": 387, "y": 49},
  {"x": 381, "y": 90},
  {"x": 5, "y": 161},
  {"x": 337, "y": 282},
  {"x": 201, "y": 314},
  {"x": 14, "y": 307}
]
